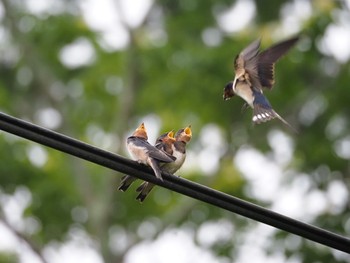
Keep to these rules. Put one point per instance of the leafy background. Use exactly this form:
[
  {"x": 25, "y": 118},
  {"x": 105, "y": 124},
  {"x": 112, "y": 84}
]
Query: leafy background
[{"x": 94, "y": 70}]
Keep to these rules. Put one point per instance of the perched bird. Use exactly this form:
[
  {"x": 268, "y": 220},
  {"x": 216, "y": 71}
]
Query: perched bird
[
  {"x": 254, "y": 71},
  {"x": 173, "y": 146},
  {"x": 143, "y": 152}
]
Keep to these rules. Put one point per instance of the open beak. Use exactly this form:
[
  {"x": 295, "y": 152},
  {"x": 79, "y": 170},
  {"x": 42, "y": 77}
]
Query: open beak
[
  {"x": 188, "y": 131},
  {"x": 170, "y": 135}
]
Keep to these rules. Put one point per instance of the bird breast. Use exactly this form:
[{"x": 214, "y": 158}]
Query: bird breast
[
  {"x": 138, "y": 153},
  {"x": 243, "y": 90},
  {"x": 180, "y": 158}
]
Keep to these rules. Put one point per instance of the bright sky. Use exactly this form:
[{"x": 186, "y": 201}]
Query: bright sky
[{"x": 176, "y": 245}]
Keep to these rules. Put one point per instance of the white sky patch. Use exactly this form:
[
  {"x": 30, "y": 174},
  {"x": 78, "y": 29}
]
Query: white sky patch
[
  {"x": 304, "y": 203},
  {"x": 115, "y": 39},
  {"x": 342, "y": 147},
  {"x": 135, "y": 11},
  {"x": 213, "y": 232},
  {"x": 114, "y": 36},
  {"x": 237, "y": 17},
  {"x": 212, "y": 147},
  {"x": 264, "y": 175},
  {"x": 293, "y": 15},
  {"x": 49, "y": 118},
  {"x": 253, "y": 246},
  {"x": 337, "y": 195},
  {"x": 14, "y": 206},
  {"x": 336, "y": 40},
  {"x": 37, "y": 155},
  {"x": 173, "y": 246},
  {"x": 77, "y": 54},
  {"x": 8, "y": 241},
  {"x": 41, "y": 7},
  {"x": 79, "y": 248},
  {"x": 119, "y": 240},
  {"x": 282, "y": 146}
]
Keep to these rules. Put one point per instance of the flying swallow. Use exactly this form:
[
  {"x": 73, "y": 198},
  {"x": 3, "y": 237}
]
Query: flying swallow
[
  {"x": 173, "y": 146},
  {"x": 255, "y": 71},
  {"x": 143, "y": 152}
]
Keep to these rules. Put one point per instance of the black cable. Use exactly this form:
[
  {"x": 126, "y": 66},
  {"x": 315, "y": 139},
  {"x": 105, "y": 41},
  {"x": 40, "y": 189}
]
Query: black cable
[{"x": 118, "y": 163}]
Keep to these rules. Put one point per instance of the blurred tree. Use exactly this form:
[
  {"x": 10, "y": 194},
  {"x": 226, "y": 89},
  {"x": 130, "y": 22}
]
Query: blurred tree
[{"x": 62, "y": 68}]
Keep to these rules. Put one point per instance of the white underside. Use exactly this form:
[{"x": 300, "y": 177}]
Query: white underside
[
  {"x": 243, "y": 91},
  {"x": 137, "y": 153}
]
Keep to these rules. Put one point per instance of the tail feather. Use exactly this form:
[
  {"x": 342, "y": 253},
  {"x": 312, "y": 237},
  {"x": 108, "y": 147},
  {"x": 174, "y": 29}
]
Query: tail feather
[
  {"x": 286, "y": 123},
  {"x": 262, "y": 114},
  {"x": 144, "y": 189},
  {"x": 154, "y": 164},
  {"x": 127, "y": 180}
]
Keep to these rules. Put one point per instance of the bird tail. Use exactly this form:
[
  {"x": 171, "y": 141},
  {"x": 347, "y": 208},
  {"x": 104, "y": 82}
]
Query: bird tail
[
  {"x": 144, "y": 189},
  {"x": 154, "y": 164},
  {"x": 127, "y": 180},
  {"x": 286, "y": 123},
  {"x": 264, "y": 113}
]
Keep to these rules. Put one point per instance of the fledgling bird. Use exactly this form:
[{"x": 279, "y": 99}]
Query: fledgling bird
[
  {"x": 173, "y": 146},
  {"x": 255, "y": 71},
  {"x": 143, "y": 152}
]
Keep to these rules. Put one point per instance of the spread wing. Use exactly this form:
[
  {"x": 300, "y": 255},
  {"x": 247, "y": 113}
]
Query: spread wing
[
  {"x": 267, "y": 59},
  {"x": 248, "y": 60}
]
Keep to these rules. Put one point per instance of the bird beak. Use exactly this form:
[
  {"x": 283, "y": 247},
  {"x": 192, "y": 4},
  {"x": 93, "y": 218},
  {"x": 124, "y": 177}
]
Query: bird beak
[
  {"x": 142, "y": 126},
  {"x": 188, "y": 131},
  {"x": 170, "y": 136}
]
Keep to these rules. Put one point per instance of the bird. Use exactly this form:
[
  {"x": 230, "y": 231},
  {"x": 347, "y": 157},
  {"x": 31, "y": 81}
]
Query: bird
[
  {"x": 255, "y": 71},
  {"x": 145, "y": 153},
  {"x": 174, "y": 146}
]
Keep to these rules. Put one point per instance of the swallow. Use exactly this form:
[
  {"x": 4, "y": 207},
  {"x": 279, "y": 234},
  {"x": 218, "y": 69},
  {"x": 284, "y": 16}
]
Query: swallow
[
  {"x": 173, "y": 146},
  {"x": 255, "y": 71},
  {"x": 145, "y": 153}
]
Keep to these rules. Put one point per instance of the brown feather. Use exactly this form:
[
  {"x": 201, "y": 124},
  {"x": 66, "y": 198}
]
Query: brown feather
[{"x": 268, "y": 58}]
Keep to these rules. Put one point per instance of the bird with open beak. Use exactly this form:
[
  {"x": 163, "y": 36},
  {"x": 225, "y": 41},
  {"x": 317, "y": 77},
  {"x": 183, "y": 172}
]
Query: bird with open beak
[
  {"x": 173, "y": 146},
  {"x": 255, "y": 71},
  {"x": 143, "y": 152}
]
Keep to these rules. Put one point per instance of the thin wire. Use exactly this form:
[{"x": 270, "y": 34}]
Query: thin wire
[{"x": 118, "y": 163}]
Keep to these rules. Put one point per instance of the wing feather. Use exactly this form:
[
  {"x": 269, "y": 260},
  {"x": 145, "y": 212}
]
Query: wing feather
[{"x": 267, "y": 59}]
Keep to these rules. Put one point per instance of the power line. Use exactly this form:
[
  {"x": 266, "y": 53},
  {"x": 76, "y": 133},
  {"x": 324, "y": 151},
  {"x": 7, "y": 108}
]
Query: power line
[{"x": 118, "y": 163}]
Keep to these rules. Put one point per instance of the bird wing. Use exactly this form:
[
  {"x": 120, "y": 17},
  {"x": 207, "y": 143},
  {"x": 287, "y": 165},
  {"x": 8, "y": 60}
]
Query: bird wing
[
  {"x": 266, "y": 61},
  {"x": 151, "y": 151},
  {"x": 248, "y": 59}
]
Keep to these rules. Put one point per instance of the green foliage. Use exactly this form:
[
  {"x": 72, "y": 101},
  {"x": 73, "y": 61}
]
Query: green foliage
[{"x": 179, "y": 80}]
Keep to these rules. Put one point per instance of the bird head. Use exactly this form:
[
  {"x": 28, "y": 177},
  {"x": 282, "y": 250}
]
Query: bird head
[
  {"x": 228, "y": 91},
  {"x": 167, "y": 137},
  {"x": 184, "y": 134},
  {"x": 141, "y": 132}
]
